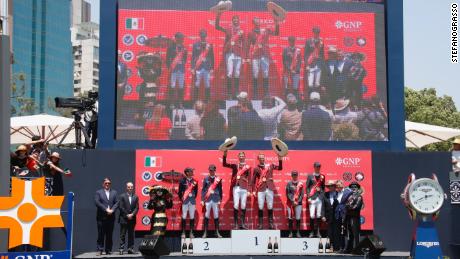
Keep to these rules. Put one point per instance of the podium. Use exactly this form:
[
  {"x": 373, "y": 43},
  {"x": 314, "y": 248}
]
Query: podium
[{"x": 255, "y": 242}]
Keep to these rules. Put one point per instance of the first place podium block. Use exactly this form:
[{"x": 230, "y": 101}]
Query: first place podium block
[{"x": 253, "y": 241}]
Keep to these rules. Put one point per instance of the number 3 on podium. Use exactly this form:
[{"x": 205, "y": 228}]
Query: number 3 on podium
[{"x": 305, "y": 246}]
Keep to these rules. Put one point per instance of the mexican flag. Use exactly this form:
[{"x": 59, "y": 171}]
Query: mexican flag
[
  {"x": 135, "y": 23},
  {"x": 152, "y": 161}
]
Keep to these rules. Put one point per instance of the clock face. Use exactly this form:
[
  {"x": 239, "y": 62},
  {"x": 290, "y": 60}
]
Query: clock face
[{"x": 426, "y": 196}]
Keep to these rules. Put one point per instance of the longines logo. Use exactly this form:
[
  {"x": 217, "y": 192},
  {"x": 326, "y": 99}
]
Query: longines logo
[
  {"x": 28, "y": 211},
  {"x": 428, "y": 244},
  {"x": 348, "y": 161},
  {"x": 348, "y": 25}
]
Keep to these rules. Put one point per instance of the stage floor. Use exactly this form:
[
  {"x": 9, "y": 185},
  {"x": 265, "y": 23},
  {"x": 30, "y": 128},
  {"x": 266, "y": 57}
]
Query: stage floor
[{"x": 385, "y": 255}]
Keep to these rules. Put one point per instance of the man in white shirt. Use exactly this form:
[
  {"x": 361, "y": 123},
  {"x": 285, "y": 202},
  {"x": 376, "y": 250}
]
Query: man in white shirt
[{"x": 270, "y": 112}]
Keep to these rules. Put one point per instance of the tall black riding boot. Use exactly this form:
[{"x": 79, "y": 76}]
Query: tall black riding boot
[
  {"x": 265, "y": 83},
  {"x": 206, "y": 223},
  {"x": 207, "y": 94},
  {"x": 196, "y": 92},
  {"x": 312, "y": 228},
  {"x": 235, "y": 219},
  {"x": 192, "y": 227},
  {"x": 318, "y": 228},
  {"x": 290, "y": 228},
  {"x": 243, "y": 219},
  {"x": 260, "y": 219},
  {"x": 254, "y": 88},
  {"x": 298, "y": 229},
  {"x": 270, "y": 220},
  {"x": 237, "y": 86},
  {"x": 229, "y": 87},
  {"x": 216, "y": 225},
  {"x": 182, "y": 226}
]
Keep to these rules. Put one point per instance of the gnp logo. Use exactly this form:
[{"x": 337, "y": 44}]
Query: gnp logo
[
  {"x": 349, "y": 25},
  {"x": 348, "y": 161},
  {"x": 28, "y": 211}
]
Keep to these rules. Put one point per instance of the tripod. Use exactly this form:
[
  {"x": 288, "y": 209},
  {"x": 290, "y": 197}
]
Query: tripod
[{"x": 78, "y": 126}]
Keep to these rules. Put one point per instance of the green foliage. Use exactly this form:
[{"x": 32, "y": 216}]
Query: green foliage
[
  {"x": 425, "y": 106},
  {"x": 20, "y": 104}
]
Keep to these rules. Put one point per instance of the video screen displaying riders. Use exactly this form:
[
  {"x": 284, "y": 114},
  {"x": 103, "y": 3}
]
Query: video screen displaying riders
[{"x": 207, "y": 70}]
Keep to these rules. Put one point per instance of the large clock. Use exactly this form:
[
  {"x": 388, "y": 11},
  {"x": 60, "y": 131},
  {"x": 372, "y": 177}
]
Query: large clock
[{"x": 425, "y": 196}]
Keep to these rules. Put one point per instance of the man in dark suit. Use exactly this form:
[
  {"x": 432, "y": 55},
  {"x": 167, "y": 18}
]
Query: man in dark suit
[
  {"x": 329, "y": 204},
  {"x": 106, "y": 201},
  {"x": 128, "y": 207},
  {"x": 340, "y": 214}
]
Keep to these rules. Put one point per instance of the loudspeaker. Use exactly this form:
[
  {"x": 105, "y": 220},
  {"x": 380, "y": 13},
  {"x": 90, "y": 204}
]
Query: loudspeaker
[
  {"x": 153, "y": 246},
  {"x": 372, "y": 244}
]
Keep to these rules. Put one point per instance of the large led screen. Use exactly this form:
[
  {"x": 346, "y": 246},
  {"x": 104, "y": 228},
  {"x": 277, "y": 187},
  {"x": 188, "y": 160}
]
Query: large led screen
[{"x": 316, "y": 73}]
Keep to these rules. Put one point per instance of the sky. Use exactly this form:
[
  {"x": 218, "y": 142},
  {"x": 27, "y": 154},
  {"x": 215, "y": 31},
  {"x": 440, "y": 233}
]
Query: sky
[{"x": 426, "y": 46}]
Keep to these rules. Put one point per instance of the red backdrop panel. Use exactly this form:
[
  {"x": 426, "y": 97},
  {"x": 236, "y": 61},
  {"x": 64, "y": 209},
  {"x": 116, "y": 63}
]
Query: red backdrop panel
[
  {"x": 339, "y": 29},
  {"x": 335, "y": 165}
]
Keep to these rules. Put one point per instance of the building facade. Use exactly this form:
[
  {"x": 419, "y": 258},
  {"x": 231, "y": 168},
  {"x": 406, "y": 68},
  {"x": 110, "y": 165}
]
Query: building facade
[
  {"x": 85, "y": 49},
  {"x": 43, "y": 50},
  {"x": 81, "y": 12}
]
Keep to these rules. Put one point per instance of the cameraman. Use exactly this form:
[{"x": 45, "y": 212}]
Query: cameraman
[{"x": 90, "y": 117}]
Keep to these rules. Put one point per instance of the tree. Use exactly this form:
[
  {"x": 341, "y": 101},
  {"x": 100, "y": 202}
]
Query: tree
[
  {"x": 425, "y": 106},
  {"x": 20, "y": 104}
]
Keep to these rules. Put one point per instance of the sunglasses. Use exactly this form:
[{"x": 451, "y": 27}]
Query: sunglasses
[{"x": 107, "y": 183}]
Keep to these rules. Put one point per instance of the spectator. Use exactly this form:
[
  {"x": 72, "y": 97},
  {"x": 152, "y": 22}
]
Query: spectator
[
  {"x": 290, "y": 120},
  {"x": 316, "y": 123},
  {"x": 371, "y": 122},
  {"x": 271, "y": 109},
  {"x": 234, "y": 114},
  {"x": 251, "y": 125},
  {"x": 158, "y": 127},
  {"x": 41, "y": 145},
  {"x": 18, "y": 159},
  {"x": 34, "y": 166},
  {"x": 213, "y": 123},
  {"x": 53, "y": 174},
  {"x": 357, "y": 74},
  {"x": 193, "y": 130},
  {"x": 456, "y": 155},
  {"x": 343, "y": 113}
]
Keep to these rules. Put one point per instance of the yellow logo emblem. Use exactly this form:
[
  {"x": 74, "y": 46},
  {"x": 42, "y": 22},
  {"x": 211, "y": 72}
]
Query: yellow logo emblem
[{"x": 28, "y": 211}]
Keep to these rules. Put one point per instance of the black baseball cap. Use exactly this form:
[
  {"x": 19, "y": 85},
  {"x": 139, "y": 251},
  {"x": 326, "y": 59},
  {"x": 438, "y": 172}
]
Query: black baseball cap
[
  {"x": 316, "y": 164},
  {"x": 212, "y": 167},
  {"x": 189, "y": 170}
]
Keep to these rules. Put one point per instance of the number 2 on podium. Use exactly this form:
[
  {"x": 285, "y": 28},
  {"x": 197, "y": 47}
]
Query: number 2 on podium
[{"x": 206, "y": 246}]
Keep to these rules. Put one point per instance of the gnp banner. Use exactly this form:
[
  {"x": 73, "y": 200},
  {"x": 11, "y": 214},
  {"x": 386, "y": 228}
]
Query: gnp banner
[{"x": 345, "y": 165}]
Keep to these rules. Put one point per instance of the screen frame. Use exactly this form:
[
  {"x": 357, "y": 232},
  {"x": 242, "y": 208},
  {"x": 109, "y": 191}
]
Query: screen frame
[{"x": 395, "y": 94}]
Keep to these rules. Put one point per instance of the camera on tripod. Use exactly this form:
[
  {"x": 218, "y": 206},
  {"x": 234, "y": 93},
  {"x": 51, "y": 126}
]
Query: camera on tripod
[
  {"x": 81, "y": 105},
  {"x": 78, "y": 103}
]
